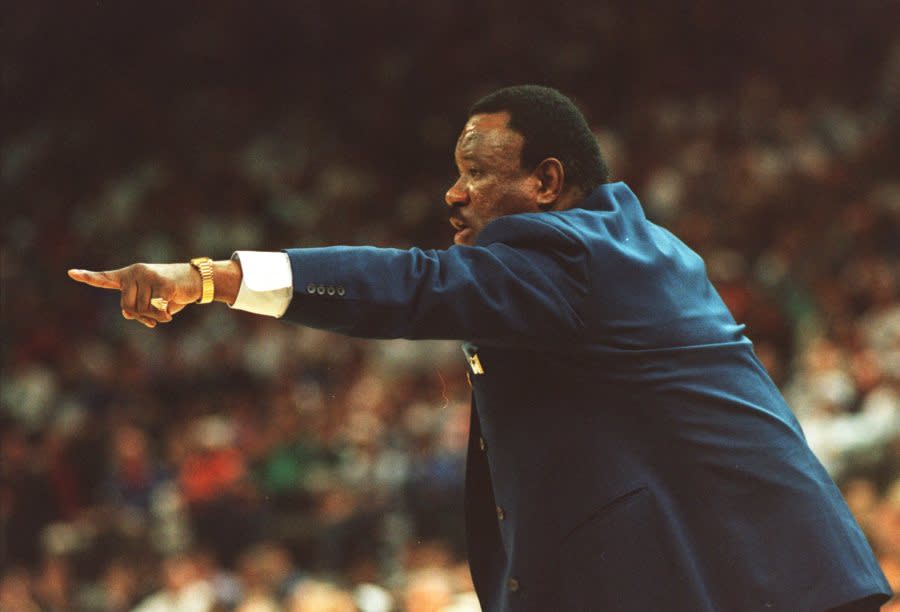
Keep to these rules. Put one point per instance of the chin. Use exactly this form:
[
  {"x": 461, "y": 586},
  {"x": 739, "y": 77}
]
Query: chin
[{"x": 465, "y": 237}]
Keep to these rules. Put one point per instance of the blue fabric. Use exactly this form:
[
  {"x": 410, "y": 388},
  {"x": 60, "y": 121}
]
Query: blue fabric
[{"x": 640, "y": 454}]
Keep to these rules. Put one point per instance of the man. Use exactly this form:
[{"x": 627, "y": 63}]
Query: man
[{"x": 628, "y": 451}]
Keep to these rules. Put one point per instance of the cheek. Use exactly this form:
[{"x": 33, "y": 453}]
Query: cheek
[
  {"x": 490, "y": 198},
  {"x": 495, "y": 199},
  {"x": 487, "y": 208},
  {"x": 511, "y": 200}
]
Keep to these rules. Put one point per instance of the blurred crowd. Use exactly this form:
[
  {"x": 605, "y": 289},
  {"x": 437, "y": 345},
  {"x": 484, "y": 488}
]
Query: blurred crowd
[{"x": 232, "y": 462}]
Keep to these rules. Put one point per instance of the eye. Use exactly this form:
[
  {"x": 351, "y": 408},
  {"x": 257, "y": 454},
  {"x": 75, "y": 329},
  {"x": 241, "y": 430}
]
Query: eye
[{"x": 474, "y": 172}]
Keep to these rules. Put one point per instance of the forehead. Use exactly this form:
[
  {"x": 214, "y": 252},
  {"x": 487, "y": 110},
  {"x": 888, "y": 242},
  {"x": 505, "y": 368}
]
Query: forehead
[{"x": 487, "y": 135}]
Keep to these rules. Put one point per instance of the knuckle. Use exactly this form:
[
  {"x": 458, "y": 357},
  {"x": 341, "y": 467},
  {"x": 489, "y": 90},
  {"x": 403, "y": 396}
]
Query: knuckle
[{"x": 139, "y": 271}]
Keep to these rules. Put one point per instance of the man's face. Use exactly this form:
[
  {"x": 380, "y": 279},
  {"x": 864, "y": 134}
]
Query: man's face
[{"x": 491, "y": 180}]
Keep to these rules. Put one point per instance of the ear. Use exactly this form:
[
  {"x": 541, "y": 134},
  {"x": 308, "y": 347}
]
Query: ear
[{"x": 551, "y": 179}]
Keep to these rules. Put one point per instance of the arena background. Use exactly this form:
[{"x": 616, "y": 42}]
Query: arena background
[{"x": 232, "y": 462}]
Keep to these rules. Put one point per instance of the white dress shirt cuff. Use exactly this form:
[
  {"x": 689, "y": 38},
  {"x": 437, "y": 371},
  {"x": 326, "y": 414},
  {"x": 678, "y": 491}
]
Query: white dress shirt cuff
[{"x": 267, "y": 285}]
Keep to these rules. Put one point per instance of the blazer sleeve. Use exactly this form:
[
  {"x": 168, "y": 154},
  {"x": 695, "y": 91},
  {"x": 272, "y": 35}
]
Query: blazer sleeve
[{"x": 521, "y": 284}]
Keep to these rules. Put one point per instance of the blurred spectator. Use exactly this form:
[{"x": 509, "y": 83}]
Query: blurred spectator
[
  {"x": 319, "y": 596},
  {"x": 53, "y": 587},
  {"x": 116, "y": 591},
  {"x": 134, "y": 475},
  {"x": 222, "y": 504},
  {"x": 428, "y": 590},
  {"x": 183, "y": 590},
  {"x": 26, "y": 501},
  {"x": 15, "y": 592}
]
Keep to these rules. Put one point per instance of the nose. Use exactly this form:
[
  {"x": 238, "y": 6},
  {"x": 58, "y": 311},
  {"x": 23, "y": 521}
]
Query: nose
[{"x": 456, "y": 195}]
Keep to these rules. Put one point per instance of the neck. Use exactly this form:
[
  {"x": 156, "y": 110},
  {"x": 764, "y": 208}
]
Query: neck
[{"x": 570, "y": 198}]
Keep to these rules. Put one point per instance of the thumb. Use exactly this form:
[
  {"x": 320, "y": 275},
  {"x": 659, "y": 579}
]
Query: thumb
[{"x": 104, "y": 280}]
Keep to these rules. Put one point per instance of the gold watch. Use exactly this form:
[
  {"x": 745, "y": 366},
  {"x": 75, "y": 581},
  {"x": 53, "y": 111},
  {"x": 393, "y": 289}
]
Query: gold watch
[{"x": 204, "y": 266}]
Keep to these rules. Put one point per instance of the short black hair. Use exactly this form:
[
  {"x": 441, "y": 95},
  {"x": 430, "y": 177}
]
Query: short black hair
[{"x": 552, "y": 126}]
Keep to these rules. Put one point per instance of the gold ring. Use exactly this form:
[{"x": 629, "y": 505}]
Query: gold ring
[{"x": 159, "y": 303}]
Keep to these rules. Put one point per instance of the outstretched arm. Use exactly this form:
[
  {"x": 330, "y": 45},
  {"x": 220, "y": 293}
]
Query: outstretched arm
[
  {"x": 522, "y": 284},
  {"x": 180, "y": 284}
]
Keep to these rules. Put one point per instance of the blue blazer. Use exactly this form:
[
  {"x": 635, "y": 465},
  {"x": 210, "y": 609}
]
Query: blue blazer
[{"x": 628, "y": 451}]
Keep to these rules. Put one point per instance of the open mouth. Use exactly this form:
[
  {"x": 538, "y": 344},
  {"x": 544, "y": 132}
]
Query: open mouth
[{"x": 463, "y": 231}]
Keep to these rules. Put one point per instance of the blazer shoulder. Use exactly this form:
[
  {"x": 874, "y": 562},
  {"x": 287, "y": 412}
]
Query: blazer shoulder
[{"x": 550, "y": 229}]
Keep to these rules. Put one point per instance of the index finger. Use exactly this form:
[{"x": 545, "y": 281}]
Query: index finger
[{"x": 104, "y": 280}]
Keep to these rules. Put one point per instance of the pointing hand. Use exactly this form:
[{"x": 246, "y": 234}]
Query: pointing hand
[{"x": 179, "y": 284}]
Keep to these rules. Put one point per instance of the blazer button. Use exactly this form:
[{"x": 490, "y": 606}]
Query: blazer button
[
  {"x": 320, "y": 289},
  {"x": 513, "y": 584},
  {"x": 500, "y": 513},
  {"x": 482, "y": 444},
  {"x": 330, "y": 290},
  {"x": 311, "y": 288},
  {"x": 340, "y": 290}
]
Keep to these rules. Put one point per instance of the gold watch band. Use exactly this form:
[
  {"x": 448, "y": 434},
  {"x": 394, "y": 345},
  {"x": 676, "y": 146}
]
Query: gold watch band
[{"x": 204, "y": 266}]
